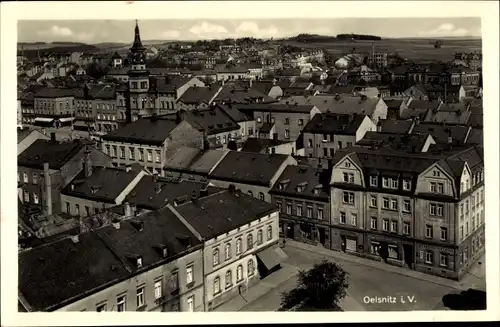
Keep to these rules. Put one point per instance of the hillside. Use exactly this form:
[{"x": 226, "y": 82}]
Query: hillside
[
  {"x": 30, "y": 50},
  {"x": 412, "y": 49}
]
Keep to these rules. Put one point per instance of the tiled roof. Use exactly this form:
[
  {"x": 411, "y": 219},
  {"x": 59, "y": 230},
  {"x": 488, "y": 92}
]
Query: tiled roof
[
  {"x": 143, "y": 131},
  {"x": 104, "y": 185},
  {"x": 51, "y": 92},
  {"x": 411, "y": 142},
  {"x": 160, "y": 229},
  {"x": 441, "y": 132},
  {"x": 247, "y": 167},
  {"x": 57, "y": 154},
  {"x": 223, "y": 68},
  {"x": 475, "y": 136},
  {"x": 393, "y": 104},
  {"x": 151, "y": 194},
  {"x": 211, "y": 120},
  {"x": 263, "y": 87},
  {"x": 222, "y": 212},
  {"x": 257, "y": 145},
  {"x": 198, "y": 95},
  {"x": 303, "y": 181},
  {"x": 395, "y": 126},
  {"x": 22, "y": 134},
  {"x": 236, "y": 94},
  {"x": 343, "y": 104},
  {"x": 275, "y": 107},
  {"x": 234, "y": 113},
  {"x": 194, "y": 160},
  {"x": 104, "y": 257},
  {"x": 334, "y": 123},
  {"x": 59, "y": 271}
]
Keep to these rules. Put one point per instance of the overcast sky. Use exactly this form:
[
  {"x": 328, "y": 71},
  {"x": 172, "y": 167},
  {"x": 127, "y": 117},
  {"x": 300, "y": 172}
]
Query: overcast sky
[{"x": 97, "y": 31}]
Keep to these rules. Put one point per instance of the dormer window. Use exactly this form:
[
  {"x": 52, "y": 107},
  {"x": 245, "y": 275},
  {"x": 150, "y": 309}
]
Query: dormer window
[
  {"x": 385, "y": 182},
  {"x": 394, "y": 183},
  {"x": 373, "y": 181},
  {"x": 406, "y": 185},
  {"x": 139, "y": 262}
]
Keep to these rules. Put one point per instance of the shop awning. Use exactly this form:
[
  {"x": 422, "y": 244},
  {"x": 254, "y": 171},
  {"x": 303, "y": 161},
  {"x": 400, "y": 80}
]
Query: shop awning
[
  {"x": 44, "y": 120},
  {"x": 271, "y": 257}
]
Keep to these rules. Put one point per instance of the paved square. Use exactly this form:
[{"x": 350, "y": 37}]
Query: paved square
[{"x": 370, "y": 289}]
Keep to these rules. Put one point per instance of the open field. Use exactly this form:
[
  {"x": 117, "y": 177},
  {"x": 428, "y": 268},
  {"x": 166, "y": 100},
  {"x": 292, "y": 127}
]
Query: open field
[{"x": 412, "y": 49}]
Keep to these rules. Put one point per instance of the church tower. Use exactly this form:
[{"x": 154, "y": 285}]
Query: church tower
[{"x": 138, "y": 76}]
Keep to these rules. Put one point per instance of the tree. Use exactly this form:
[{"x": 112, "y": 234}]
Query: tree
[{"x": 320, "y": 288}]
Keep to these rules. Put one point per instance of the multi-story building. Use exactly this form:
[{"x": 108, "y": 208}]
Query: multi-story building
[
  {"x": 252, "y": 173},
  {"x": 95, "y": 106},
  {"x": 328, "y": 132},
  {"x": 54, "y": 103},
  {"x": 151, "y": 262},
  {"x": 47, "y": 166},
  {"x": 422, "y": 211},
  {"x": 194, "y": 164},
  {"x": 287, "y": 120},
  {"x": 98, "y": 188},
  {"x": 240, "y": 238},
  {"x": 377, "y": 59},
  {"x": 147, "y": 141},
  {"x": 303, "y": 198}
]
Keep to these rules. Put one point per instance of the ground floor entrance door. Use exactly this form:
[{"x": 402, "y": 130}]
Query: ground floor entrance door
[
  {"x": 290, "y": 231},
  {"x": 408, "y": 254}
]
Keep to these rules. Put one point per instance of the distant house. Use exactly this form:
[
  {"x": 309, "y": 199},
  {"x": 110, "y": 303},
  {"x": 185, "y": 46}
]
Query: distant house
[
  {"x": 252, "y": 173},
  {"x": 226, "y": 72},
  {"x": 198, "y": 97},
  {"x": 267, "y": 145},
  {"x": 328, "y": 132}
]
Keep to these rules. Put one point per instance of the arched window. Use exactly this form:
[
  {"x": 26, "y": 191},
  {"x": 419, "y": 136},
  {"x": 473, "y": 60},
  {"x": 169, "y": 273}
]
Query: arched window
[
  {"x": 227, "y": 251},
  {"x": 261, "y": 196},
  {"x": 251, "y": 268},
  {"x": 259, "y": 237},
  {"x": 239, "y": 273},
  {"x": 229, "y": 279},
  {"x": 216, "y": 285},
  {"x": 269, "y": 232},
  {"x": 249, "y": 241},
  {"x": 216, "y": 257},
  {"x": 238, "y": 246}
]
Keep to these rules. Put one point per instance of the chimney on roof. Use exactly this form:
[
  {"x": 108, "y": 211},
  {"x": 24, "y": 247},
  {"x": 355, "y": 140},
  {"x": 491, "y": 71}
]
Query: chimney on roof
[
  {"x": 53, "y": 137},
  {"x": 75, "y": 238},
  {"x": 157, "y": 188},
  {"x": 450, "y": 138},
  {"x": 179, "y": 116},
  {"x": 48, "y": 189},
  {"x": 155, "y": 177},
  {"x": 379, "y": 127},
  {"x": 116, "y": 224},
  {"x": 194, "y": 197},
  {"x": 128, "y": 168},
  {"x": 128, "y": 209}
]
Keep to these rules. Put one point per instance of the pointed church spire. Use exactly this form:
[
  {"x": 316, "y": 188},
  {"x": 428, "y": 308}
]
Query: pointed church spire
[{"x": 137, "y": 46}]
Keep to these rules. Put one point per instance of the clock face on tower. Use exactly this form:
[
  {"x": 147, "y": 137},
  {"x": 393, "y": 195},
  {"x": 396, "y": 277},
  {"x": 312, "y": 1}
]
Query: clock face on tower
[{"x": 138, "y": 57}]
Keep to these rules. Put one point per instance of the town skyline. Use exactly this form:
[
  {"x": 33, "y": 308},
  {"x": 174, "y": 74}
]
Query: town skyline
[{"x": 103, "y": 31}]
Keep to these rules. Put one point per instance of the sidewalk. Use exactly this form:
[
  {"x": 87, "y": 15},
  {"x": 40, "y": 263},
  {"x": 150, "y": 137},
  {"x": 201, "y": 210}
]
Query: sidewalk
[
  {"x": 377, "y": 264},
  {"x": 260, "y": 289}
]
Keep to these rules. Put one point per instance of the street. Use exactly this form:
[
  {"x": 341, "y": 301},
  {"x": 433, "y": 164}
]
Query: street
[{"x": 370, "y": 288}]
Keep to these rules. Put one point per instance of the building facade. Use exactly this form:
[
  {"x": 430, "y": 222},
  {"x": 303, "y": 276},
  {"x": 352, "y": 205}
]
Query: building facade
[{"x": 410, "y": 210}]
